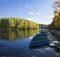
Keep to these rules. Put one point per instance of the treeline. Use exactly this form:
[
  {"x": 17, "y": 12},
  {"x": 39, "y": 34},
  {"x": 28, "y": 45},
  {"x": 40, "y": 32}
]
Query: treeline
[
  {"x": 43, "y": 26},
  {"x": 17, "y": 23}
]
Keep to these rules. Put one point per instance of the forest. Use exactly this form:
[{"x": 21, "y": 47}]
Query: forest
[{"x": 17, "y": 23}]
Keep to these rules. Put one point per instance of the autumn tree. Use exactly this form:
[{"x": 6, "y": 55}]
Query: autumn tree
[
  {"x": 17, "y": 23},
  {"x": 56, "y": 19}
]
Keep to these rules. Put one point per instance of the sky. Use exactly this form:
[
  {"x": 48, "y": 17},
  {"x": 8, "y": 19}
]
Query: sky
[{"x": 39, "y": 11}]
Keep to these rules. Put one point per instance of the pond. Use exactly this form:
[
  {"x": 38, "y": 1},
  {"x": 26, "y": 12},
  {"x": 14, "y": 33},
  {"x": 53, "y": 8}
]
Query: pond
[{"x": 16, "y": 44}]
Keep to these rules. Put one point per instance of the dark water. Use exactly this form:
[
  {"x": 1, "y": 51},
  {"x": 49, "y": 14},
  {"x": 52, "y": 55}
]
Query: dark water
[{"x": 16, "y": 44}]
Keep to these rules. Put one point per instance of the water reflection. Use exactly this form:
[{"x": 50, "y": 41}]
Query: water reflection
[
  {"x": 20, "y": 34},
  {"x": 20, "y": 48}
]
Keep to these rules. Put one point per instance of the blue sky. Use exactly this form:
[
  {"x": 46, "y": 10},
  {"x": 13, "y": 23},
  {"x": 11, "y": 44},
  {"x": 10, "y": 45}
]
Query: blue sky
[{"x": 40, "y": 11}]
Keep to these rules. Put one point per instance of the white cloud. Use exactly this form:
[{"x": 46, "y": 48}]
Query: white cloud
[
  {"x": 30, "y": 18},
  {"x": 31, "y": 13},
  {"x": 37, "y": 13}
]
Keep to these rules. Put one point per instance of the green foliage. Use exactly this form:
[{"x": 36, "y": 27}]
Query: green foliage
[
  {"x": 57, "y": 15},
  {"x": 17, "y": 23}
]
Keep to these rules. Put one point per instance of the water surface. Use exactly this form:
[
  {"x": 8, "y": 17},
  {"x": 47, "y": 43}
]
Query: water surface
[{"x": 16, "y": 43}]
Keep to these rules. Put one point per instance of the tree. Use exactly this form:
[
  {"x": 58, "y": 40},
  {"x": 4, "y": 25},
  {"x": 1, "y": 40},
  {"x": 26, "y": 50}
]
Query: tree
[
  {"x": 56, "y": 19},
  {"x": 17, "y": 23}
]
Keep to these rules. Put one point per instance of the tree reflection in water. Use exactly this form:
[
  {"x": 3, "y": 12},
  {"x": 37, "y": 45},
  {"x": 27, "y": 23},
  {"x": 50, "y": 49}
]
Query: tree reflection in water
[{"x": 19, "y": 34}]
